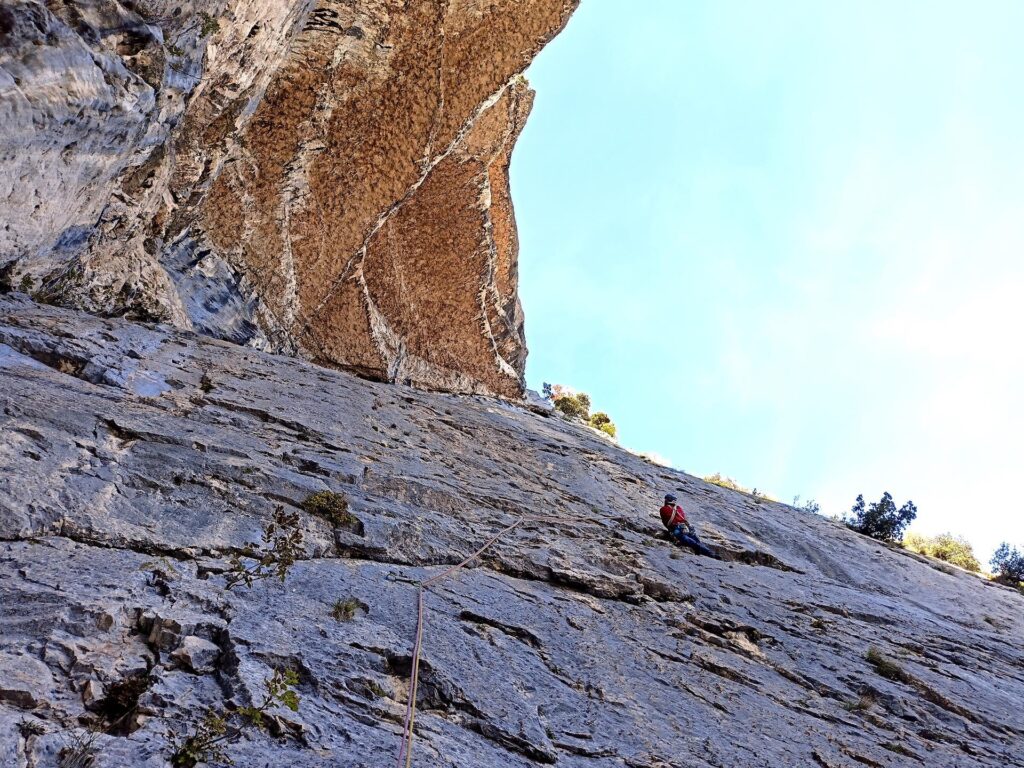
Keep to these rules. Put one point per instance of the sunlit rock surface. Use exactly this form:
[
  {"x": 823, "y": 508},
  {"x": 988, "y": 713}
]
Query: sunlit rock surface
[
  {"x": 326, "y": 178},
  {"x": 135, "y": 460}
]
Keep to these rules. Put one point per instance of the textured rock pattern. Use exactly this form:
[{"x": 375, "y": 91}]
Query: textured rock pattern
[
  {"x": 323, "y": 178},
  {"x": 135, "y": 460}
]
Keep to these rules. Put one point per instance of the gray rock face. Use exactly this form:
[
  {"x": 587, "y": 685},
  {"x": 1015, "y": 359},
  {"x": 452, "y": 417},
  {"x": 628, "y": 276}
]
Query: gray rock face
[
  {"x": 135, "y": 461},
  {"x": 94, "y": 97}
]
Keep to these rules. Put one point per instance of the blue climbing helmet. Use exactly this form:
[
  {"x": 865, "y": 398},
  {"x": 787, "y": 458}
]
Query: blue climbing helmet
[{"x": 670, "y": 499}]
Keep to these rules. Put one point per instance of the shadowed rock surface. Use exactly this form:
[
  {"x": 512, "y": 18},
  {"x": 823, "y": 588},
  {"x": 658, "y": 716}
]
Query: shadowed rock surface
[
  {"x": 135, "y": 460},
  {"x": 325, "y": 178}
]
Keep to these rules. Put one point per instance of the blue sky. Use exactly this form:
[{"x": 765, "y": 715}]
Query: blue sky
[{"x": 785, "y": 242}]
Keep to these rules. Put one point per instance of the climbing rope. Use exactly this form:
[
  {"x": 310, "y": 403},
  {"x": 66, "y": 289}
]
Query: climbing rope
[{"x": 405, "y": 751}]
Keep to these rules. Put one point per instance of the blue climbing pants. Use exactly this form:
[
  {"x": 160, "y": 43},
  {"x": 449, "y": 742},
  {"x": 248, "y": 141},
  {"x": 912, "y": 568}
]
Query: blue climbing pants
[{"x": 687, "y": 539}]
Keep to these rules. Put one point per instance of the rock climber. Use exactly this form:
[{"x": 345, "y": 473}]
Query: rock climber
[{"x": 679, "y": 527}]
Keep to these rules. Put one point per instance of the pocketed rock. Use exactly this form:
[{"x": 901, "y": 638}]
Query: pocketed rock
[{"x": 583, "y": 641}]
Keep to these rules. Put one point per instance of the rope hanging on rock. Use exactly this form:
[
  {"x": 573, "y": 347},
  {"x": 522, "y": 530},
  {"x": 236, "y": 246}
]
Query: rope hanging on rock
[{"x": 405, "y": 751}]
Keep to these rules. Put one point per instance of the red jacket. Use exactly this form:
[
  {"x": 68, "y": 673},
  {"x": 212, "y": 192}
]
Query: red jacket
[{"x": 673, "y": 515}]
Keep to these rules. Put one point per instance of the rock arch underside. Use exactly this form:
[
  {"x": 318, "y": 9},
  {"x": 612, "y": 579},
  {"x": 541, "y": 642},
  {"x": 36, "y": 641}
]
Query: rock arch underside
[{"x": 327, "y": 179}]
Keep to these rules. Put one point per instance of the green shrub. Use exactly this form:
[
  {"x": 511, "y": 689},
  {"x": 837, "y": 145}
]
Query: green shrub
[
  {"x": 576, "y": 406},
  {"x": 881, "y": 520},
  {"x": 725, "y": 482},
  {"x": 205, "y": 742},
  {"x": 329, "y": 505},
  {"x": 282, "y": 546},
  {"x": 601, "y": 421},
  {"x": 345, "y": 610},
  {"x": 208, "y": 25},
  {"x": 280, "y": 691},
  {"x": 955, "y": 550},
  {"x": 1008, "y": 565}
]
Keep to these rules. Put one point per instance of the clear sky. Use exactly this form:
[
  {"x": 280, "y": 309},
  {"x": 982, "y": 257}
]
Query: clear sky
[{"x": 785, "y": 242}]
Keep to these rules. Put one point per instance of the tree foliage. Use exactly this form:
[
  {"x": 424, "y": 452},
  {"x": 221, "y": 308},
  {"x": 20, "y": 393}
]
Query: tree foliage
[
  {"x": 206, "y": 740},
  {"x": 881, "y": 520},
  {"x": 955, "y": 550},
  {"x": 601, "y": 421},
  {"x": 727, "y": 482},
  {"x": 808, "y": 506},
  {"x": 282, "y": 546},
  {"x": 1008, "y": 565},
  {"x": 576, "y": 406}
]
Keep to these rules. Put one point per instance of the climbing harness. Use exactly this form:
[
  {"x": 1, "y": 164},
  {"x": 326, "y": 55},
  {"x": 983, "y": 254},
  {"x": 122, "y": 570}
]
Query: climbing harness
[{"x": 405, "y": 751}]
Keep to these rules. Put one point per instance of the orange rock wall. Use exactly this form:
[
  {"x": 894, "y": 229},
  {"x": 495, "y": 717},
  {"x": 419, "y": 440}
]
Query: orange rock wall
[
  {"x": 326, "y": 178},
  {"x": 368, "y": 205}
]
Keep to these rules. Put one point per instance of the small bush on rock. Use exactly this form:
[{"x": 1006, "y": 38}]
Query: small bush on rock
[
  {"x": 727, "y": 482},
  {"x": 888, "y": 669},
  {"x": 345, "y": 610},
  {"x": 576, "y": 406},
  {"x": 282, "y": 546},
  {"x": 808, "y": 506},
  {"x": 280, "y": 691},
  {"x": 955, "y": 550},
  {"x": 329, "y": 505},
  {"x": 881, "y": 520},
  {"x": 205, "y": 743},
  {"x": 1008, "y": 565},
  {"x": 601, "y": 421},
  {"x": 208, "y": 25},
  {"x": 862, "y": 704}
]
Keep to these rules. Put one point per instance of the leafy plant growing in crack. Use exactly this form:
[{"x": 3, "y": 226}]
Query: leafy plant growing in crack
[
  {"x": 204, "y": 744},
  {"x": 282, "y": 546},
  {"x": 208, "y": 26},
  {"x": 207, "y": 738},
  {"x": 280, "y": 692}
]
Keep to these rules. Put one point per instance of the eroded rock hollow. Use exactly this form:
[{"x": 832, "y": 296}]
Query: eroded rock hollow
[{"x": 328, "y": 179}]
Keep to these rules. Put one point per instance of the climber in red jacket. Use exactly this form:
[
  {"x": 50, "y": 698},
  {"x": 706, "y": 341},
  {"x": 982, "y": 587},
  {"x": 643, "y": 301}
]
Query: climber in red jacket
[{"x": 674, "y": 519}]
